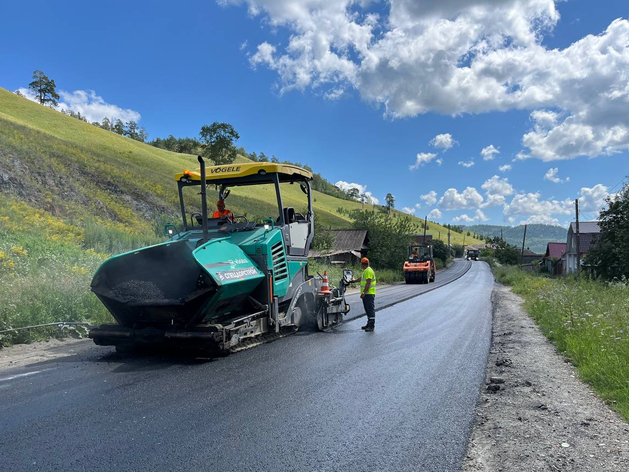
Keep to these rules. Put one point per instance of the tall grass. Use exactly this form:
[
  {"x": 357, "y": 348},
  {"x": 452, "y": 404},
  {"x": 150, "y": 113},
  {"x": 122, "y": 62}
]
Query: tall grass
[
  {"x": 588, "y": 321},
  {"x": 113, "y": 240},
  {"x": 46, "y": 267}
]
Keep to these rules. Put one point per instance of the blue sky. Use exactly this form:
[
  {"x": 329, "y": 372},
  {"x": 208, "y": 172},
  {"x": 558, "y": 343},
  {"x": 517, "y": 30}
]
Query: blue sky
[{"x": 358, "y": 90}]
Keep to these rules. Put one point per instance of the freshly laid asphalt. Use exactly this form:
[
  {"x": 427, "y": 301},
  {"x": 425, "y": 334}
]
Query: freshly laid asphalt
[
  {"x": 390, "y": 295},
  {"x": 401, "y": 398}
]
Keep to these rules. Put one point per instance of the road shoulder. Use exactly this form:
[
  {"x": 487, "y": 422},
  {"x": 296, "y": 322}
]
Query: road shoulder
[
  {"x": 21, "y": 355},
  {"x": 534, "y": 413}
]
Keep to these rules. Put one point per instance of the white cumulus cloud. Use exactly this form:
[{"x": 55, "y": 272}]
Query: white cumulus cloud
[
  {"x": 463, "y": 219},
  {"x": 362, "y": 191},
  {"x": 467, "y": 164},
  {"x": 498, "y": 186},
  {"x": 529, "y": 204},
  {"x": 434, "y": 214},
  {"x": 493, "y": 201},
  {"x": 489, "y": 152},
  {"x": 552, "y": 176},
  {"x": 443, "y": 141},
  {"x": 540, "y": 220},
  {"x": 593, "y": 199},
  {"x": 410, "y": 211},
  {"x": 421, "y": 159},
  {"x": 505, "y": 168},
  {"x": 455, "y": 57},
  {"x": 479, "y": 217},
  {"x": 92, "y": 106},
  {"x": 430, "y": 198},
  {"x": 453, "y": 200}
]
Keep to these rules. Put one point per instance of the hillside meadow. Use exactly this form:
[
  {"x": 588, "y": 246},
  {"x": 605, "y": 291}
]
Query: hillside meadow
[{"x": 73, "y": 194}]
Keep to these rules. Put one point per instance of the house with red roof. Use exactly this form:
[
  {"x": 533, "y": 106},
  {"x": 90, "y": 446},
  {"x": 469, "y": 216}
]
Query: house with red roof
[{"x": 554, "y": 258}]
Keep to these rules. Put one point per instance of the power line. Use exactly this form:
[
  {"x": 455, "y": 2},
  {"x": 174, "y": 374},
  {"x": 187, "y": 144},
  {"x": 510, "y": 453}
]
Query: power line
[{"x": 621, "y": 181}]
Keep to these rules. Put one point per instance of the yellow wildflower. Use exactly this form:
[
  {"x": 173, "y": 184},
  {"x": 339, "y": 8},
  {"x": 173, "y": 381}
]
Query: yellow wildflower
[{"x": 19, "y": 251}]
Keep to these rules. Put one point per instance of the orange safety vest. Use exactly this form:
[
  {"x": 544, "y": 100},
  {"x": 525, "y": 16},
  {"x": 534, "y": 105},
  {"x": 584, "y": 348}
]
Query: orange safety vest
[{"x": 223, "y": 215}]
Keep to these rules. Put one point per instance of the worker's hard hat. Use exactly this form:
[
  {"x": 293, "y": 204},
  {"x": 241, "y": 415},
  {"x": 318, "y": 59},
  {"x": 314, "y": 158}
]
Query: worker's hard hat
[
  {"x": 364, "y": 260},
  {"x": 220, "y": 203}
]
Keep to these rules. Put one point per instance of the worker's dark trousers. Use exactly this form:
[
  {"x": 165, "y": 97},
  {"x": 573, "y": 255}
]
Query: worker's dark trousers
[{"x": 369, "y": 302}]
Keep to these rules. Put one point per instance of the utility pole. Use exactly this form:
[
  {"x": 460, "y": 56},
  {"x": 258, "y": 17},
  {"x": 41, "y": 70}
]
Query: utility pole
[
  {"x": 523, "y": 241},
  {"x": 448, "y": 237},
  {"x": 576, "y": 211},
  {"x": 425, "y": 223}
]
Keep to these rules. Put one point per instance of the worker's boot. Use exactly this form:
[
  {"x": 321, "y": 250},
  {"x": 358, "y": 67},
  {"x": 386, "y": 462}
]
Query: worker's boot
[
  {"x": 366, "y": 326},
  {"x": 371, "y": 325}
]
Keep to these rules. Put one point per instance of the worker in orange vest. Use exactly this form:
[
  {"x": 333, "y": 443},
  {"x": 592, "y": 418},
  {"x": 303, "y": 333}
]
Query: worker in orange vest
[{"x": 222, "y": 213}]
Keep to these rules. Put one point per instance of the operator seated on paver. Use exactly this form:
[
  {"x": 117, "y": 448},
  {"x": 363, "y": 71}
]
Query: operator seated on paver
[
  {"x": 222, "y": 213},
  {"x": 368, "y": 293}
]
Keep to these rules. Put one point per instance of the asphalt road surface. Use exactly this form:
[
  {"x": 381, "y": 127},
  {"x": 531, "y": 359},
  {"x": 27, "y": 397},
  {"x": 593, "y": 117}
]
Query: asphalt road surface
[
  {"x": 391, "y": 294},
  {"x": 401, "y": 398}
]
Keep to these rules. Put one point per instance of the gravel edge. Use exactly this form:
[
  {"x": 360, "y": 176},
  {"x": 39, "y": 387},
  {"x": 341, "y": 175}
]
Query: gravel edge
[{"x": 534, "y": 414}]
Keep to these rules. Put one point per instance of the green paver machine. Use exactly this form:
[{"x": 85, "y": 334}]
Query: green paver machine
[{"x": 222, "y": 283}]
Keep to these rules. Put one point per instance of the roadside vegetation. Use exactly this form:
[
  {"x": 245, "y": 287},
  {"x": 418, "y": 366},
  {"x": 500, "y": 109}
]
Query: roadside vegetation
[
  {"x": 587, "y": 320},
  {"x": 585, "y": 316}
]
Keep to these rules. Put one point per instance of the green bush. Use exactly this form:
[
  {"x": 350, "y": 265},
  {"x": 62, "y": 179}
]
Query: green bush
[
  {"x": 486, "y": 252},
  {"x": 388, "y": 237},
  {"x": 440, "y": 251},
  {"x": 610, "y": 256},
  {"x": 507, "y": 254},
  {"x": 457, "y": 251},
  {"x": 323, "y": 237}
]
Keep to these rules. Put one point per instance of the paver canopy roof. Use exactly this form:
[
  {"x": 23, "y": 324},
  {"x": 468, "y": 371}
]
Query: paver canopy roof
[{"x": 235, "y": 171}]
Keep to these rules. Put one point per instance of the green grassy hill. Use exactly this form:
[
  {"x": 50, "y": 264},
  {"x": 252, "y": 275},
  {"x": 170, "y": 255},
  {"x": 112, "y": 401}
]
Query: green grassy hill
[{"x": 71, "y": 194}]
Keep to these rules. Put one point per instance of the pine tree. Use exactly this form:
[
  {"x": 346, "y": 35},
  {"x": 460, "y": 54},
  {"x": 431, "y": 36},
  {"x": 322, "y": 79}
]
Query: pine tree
[
  {"x": 390, "y": 199},
  {"x": 44, "y": 88},
  {"x": 119, "y": 127}
]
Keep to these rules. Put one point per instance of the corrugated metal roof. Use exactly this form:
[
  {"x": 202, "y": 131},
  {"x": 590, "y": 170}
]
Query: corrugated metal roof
[
  {"x": 587, "y": 241},
  {"x": 349, "y": 240},
  {"x": 331, "y": 252},
  {"x": 555, "y": 250},
  {"x": 586, "y": 227}
]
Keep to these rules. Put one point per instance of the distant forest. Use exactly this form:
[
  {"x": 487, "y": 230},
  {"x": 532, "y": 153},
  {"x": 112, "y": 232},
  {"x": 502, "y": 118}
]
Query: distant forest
[{"x": 537, "y": 236}]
